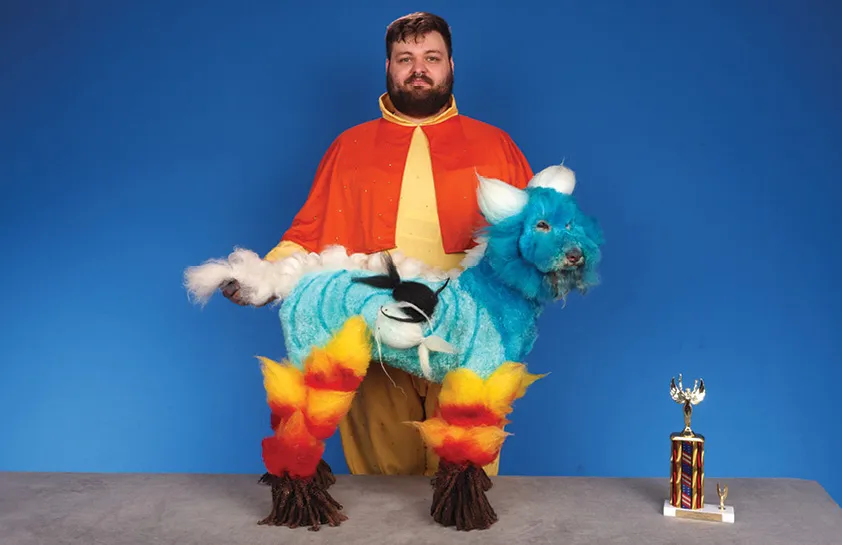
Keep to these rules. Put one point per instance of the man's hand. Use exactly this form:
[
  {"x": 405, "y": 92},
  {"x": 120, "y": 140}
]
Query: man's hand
[{"x": 231, "y": 291}]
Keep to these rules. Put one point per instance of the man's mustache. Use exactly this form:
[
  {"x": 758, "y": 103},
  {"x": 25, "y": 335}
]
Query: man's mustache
[{"x": 423, "y": 78}]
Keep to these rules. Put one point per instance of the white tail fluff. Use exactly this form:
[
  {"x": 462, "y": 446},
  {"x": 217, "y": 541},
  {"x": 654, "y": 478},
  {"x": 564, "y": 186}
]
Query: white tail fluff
[{"x": 261, "y": 281}]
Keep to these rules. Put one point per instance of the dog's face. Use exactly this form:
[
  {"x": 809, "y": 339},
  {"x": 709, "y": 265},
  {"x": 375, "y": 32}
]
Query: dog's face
[
  {"x": 560, "y": 241},
  {"x": 539, "y": 239}
]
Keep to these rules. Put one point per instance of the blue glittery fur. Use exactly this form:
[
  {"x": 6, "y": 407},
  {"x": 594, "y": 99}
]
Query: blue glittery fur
[{"x": 488, "y": 313}]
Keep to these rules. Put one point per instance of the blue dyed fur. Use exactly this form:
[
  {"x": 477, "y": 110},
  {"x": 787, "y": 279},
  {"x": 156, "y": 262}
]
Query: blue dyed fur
[{"x": 488, "y": 313}]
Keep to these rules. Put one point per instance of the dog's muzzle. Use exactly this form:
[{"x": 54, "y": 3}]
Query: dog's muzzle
[{"x": 573, "y": 258}]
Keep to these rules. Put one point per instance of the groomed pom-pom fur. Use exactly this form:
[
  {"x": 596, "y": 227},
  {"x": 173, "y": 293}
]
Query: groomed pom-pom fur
[{"x": 262, "y": 281}]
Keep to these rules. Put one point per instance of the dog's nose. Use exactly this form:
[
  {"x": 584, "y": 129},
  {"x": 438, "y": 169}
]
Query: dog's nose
[{"x": 574, "y": 254}]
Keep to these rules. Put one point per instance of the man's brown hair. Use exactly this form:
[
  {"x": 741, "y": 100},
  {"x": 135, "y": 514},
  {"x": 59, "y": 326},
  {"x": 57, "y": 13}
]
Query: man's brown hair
[{"x": 416, "y": 25}]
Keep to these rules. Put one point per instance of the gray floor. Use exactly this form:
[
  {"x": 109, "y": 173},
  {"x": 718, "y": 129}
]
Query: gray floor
[{"x": 54, "y": 509}]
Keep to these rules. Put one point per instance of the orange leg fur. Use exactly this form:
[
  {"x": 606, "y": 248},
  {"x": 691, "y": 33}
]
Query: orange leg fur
[
  {"x": 467, "y": 434},
  {"x": 307, "y": 406}
]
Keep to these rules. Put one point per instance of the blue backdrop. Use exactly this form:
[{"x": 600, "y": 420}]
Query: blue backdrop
[{"x": 139, "y": 138}]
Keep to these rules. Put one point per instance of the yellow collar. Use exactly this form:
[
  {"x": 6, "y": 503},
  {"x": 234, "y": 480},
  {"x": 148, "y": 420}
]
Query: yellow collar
[{"x": 391, "y": 114}]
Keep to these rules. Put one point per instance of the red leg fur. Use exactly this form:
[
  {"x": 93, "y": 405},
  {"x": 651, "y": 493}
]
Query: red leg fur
[
  {"x": 306, "y": 409},
  {"x": 467, "y": 434}
]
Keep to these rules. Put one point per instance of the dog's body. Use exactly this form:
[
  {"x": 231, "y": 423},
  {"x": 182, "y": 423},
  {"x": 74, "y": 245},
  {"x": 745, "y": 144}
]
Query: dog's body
[
  {"x": 485, "y": 327},
  {"x": 468, "y": 330}
]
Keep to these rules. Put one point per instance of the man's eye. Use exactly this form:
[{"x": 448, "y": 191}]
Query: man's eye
[{"x": 542, "y": 226}]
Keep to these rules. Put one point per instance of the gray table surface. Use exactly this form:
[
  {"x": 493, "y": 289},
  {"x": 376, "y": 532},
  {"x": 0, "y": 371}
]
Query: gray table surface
[{"x": 155, "y": 509}]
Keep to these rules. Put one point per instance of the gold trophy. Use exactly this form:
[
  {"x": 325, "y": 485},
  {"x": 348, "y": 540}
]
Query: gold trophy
[{"x": 687, "y": 465}]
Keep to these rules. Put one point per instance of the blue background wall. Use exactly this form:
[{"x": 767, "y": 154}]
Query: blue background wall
[{"x": 139, "y": 138}]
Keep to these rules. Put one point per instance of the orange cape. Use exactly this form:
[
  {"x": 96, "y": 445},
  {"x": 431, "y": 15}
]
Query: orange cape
[{"x": 354, "y": 198}]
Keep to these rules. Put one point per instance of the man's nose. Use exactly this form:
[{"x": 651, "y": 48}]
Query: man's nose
[{"x": 418, "y": 67}]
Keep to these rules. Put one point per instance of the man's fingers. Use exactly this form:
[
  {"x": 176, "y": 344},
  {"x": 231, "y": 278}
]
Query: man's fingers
[{"x": 230, "y": 288}]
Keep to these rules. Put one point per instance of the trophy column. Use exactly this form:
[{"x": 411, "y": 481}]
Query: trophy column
[{"x": 687, "y": 471}]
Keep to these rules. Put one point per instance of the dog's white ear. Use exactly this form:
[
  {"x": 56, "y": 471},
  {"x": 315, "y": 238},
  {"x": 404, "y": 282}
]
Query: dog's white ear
[
  {"x": 498, "y": 200},
  {"x": 557, "y": 177}
]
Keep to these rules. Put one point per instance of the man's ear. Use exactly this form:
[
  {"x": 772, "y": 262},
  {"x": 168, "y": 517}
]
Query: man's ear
[{"x": 452, "y": 65}]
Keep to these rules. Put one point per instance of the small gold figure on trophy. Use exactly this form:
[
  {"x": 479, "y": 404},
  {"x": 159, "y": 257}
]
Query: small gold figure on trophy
[
  {"x": 689, "y": 398},
  {"x": 723, "y": 493}
]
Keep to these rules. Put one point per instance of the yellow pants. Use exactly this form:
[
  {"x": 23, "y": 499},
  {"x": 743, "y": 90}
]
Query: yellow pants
[{"x": 375, "y": 437}]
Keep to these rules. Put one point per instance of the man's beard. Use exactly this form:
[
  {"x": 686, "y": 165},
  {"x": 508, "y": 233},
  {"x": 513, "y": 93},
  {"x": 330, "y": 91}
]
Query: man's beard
[{"x": 420, "y": 102}]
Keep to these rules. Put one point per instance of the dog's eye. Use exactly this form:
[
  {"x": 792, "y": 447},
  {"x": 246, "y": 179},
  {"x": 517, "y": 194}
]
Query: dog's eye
[{"x": 542, "y": 226}]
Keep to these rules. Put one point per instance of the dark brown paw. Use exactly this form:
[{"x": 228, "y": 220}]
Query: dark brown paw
[
  {"x": 301, "y": 502},
  {"x": 459, "y": 498}
]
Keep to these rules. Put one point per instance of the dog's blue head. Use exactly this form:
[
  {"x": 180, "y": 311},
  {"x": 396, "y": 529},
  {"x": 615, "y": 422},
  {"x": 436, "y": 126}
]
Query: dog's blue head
[{"x": 538, "y": 240}]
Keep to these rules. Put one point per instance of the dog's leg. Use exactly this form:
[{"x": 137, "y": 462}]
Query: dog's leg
[
  {"x": 324, "y": 476},
  {"x": 307, "y": 405},
  {"x": 467, "y": 434}
]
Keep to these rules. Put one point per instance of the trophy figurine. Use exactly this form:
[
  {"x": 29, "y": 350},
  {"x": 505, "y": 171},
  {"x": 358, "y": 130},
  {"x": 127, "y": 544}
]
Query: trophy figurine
[{"x": 687, "y": 464}]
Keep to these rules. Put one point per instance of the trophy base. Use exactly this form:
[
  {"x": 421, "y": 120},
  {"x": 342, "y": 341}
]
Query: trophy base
[{"x": 710, "y": 512}]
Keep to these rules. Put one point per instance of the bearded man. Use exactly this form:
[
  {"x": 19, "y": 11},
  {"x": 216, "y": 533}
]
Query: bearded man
[{"x": 405, "y": 181}]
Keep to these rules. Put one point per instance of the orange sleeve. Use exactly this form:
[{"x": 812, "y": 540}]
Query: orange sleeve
[
  {"x": 519, "y": 171},
  {"x": 306, "y": 229}
]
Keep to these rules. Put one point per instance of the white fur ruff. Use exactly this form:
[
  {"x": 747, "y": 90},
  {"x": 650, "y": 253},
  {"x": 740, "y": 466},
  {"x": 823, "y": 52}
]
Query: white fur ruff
[
  {"x": 262, "y": 281},
  {"x": 474, "y": 255}
]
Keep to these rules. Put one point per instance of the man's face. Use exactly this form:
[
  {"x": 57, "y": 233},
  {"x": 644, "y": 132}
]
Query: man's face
[{"x": 419, "y": 75}]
